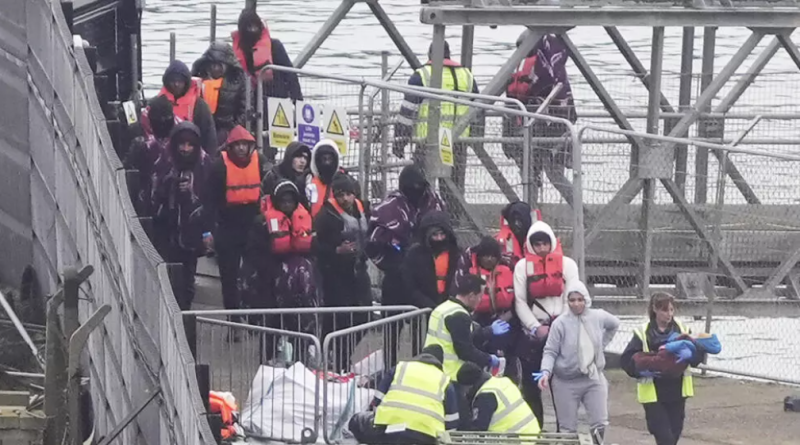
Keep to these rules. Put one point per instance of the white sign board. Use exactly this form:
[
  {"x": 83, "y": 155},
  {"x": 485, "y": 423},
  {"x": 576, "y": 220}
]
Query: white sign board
[
  {"x": 308, "y": 123},
  {"x": 337, "y": 128},
  {"x": 281, "y": 122},
  {"x": 446, "y": 146}
]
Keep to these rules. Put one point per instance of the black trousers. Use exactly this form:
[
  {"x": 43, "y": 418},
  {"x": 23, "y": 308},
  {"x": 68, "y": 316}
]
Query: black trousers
[
  {"x": 229, "y": 259},
  {"x": 665, "y": 420},
  {"x": 532, "y": 362},
  {"x": 183, "y": 287}
]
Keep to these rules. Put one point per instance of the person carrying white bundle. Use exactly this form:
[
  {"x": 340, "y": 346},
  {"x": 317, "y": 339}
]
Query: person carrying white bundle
[{"x": 574, "y": 360}]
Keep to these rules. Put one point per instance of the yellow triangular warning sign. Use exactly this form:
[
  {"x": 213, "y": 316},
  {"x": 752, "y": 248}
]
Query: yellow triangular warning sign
[
  {"x": 335, "y": 125},
  {"x": 445, "y": 141},
  {"x": 280, "y": 119}
]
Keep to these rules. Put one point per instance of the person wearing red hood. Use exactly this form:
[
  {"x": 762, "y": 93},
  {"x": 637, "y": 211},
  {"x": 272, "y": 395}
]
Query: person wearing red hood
[
  {"x": 184, "y": 92},
  {"x": 235, "y": 188},
  {"x": 255, "y": 48}
]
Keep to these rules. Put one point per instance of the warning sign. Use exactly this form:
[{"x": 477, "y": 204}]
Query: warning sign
[
  {"x": 337, "y": 128},
  {"x": 280, "y": 118},
  {"x": 446, "y": 146}
]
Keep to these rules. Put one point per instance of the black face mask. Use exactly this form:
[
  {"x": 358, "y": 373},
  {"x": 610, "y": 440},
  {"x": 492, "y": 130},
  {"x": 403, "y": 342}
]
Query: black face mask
[
  {"x": 438, "y": 246},
  {"x": 414, "y": 193}
]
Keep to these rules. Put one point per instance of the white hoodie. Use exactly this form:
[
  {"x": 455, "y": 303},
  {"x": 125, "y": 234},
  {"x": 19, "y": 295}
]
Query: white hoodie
[{"x": 531, "y": 316}]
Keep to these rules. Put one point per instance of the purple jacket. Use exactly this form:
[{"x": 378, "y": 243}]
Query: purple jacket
[
  {"x": 142, "y": 156},
  {"x": 550, "y": 69},
  {"x": 179, "y": 219},
  {"x": 392, "y": 224}
]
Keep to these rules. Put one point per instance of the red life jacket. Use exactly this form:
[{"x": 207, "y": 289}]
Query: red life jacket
[
  {"x": 183, "y": 107},
  {"x": 287, "y": 235},
  {"x": 218, "y": 405},
  {"x": 242, "y": 185},
  {"x": 545, "y": 274},
  {"x": 503, "y": 287},
  {"x": 262, "y": 52},
  {"x": 521, "y": 81}
]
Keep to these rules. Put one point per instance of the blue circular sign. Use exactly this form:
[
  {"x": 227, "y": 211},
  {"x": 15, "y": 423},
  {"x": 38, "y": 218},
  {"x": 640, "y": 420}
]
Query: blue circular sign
[{"x": 308, "y": 113}]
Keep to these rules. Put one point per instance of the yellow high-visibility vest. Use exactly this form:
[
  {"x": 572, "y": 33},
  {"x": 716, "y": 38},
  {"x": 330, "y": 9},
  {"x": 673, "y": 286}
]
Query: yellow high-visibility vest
[
  {"x": 513, "y": 414},
  {"x": 645, "y": 388},
  {"x": 439, "y": 335},
  {"x": 415, "y": 399},
  {"x": 449, "y": 111}
]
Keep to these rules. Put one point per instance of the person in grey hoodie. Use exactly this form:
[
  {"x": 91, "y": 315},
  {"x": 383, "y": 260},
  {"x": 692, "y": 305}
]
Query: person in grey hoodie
[{"x": 574, "y": 360}]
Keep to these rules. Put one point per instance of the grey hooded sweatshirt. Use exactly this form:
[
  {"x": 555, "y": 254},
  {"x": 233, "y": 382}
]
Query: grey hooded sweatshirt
[{"x": 561, "y": 352}]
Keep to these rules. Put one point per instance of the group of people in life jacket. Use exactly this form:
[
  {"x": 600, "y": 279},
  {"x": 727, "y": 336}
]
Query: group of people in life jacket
[{"x": 295, "y": 233}]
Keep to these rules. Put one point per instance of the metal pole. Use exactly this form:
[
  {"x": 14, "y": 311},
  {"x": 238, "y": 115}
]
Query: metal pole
[
  {"x": 384, "y": 126},
  {"x": 684, "y": 100},
  {"x": 363, "y": 146},
  {"x": 701, "y": 156},
  {"x": 578, "y": 229},
  {"x": 134, "y": 68},
  {"x": 171, "y": 46},
  {"x": 467, "y": 41},
  {"x": 212, "y": 36},
  {"x": 324, "y": 32},
  {"x": 55, "y": 374},
  {"x": 260, "y": 115},
  {"x": 432, "y": 164},
  {"x": 248, "y": 104}
]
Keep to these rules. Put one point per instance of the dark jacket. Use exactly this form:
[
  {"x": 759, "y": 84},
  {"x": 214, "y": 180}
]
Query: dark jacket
[
  {"x": 284, "y": 84},
  {"x": 466, "y": 335},
  {"x": 419, "y": 270},
  {"x": 142, "y": 156},
  {"x": 551, "y": 69},
  {"x": 202, "y": 116},
  {"x": 667, "y": 389},
  {"x": 345, "y": 281},
  {"x": 284, "y": 172},
  {"x": 483, "y": 407},
  {"x": 232, "y": 94},
  {"x": 256, "y": 275},
  {"x": 451, "y": 397},
  {"x": 180, "y": 218}
]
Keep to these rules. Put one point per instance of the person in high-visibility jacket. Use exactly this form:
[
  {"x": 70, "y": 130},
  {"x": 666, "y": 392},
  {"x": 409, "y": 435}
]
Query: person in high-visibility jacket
[
  {"x": 663, "y": 398},
  {"x": 450, "y": 326},
  {"x": 498, "y": 407},
  {"x": 413, "y": 118},
  {"x": 414, "y": 402},
  {"x": 234, "y": 184}
]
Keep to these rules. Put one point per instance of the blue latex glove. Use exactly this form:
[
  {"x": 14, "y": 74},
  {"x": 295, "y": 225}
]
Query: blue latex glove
[
  {"x": 500, "y": 327},
  {"x": 538, "y": 375},
  {"x": 495, "y": 361},
  {"x": 649, "y": 374},
  {"x": 683, "y": 354}
]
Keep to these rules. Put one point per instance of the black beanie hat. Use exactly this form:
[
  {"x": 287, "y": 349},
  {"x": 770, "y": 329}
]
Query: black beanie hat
[
  {"x": 436, "y": 351},
  {"x": 343, "y": 183},
  {"x": 488, "y": 246},
  {"x": 469, "y": 374}
]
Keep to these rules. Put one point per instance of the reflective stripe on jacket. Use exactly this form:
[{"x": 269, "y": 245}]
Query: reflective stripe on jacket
[
  {"x": 439, "y": 335},
  {"x": 645, "y": 388},
  {"x": 415, "y": 399},
  {"x": 454, "y": 78},
  {"x": 513, "y": 414},
  {"x": 242, "y": 185}
]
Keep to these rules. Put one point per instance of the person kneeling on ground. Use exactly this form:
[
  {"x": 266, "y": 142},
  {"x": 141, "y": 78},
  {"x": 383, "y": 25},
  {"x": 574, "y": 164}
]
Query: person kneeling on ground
[
  {"x": 574, "y": 359},
  {"x": 498, "y": 407},
  {"x": 414, "y": 402}
]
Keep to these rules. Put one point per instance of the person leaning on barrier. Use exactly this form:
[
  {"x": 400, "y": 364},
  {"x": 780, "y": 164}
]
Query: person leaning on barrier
[
  {"x": 184, "y": 92},
  {"x": 340, "y": 232},
  {"x": 450, "y": 326},
  {"x": 663, "y": 397},
  {"x": 539, "y": 282},
  {"x": 413, "y": 118},
  {"x": 498, "y": 407},
  {"x": 414, "y": 402},
  {"x": 574, "y": 359},
  {"x": 223, "y": 87},
  {"x": 235, "y": 187}
]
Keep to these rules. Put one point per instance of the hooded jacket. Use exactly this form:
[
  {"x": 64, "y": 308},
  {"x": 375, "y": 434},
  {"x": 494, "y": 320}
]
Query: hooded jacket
[
  {"x": 561, "y": 352},
  {"x": 201, "y": 115},
  {"x": 232, "y": 94},
  {"x": 180, "y": 218},
  {"x": 419, "y": 270},
  {"x": 529, "y": 314},
  {"x": 393, "y": 222},
  {"x": 509, "y": 238},
  {"x": 284, "y": 172}
]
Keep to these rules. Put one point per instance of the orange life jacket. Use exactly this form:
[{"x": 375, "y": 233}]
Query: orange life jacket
[
  {"x": 211, "y": 89},
  {"x": 262, "y": 52},
  {"x": 521, "y": 81},
  {"x": 442, "y": 263},
  {"x": 545, "y": 274},
  {"x": 183, "y": 107},
  {"x": 511, "y": 248},
  {"x": 287, "y": 235},
  {"x": 218, "y": 405},
  {"x": 320, "y": 193},
  {"x": 339, "y": 208},
  {"x": 243, "y": 185},
  {"x": 503, "y": 287}
]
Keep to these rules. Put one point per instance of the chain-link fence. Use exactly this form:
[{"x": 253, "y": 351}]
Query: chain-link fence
[{"x": 67, "y": 201}]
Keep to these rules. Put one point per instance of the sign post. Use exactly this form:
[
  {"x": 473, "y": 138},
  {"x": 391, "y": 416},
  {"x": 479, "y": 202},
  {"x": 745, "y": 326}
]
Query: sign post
[{"x": 281, "y": 122}]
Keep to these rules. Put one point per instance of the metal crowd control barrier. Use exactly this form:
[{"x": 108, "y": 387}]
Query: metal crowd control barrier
[
  {"x": 369, "y": 342},
  {"x": 484, "y": 438}
]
